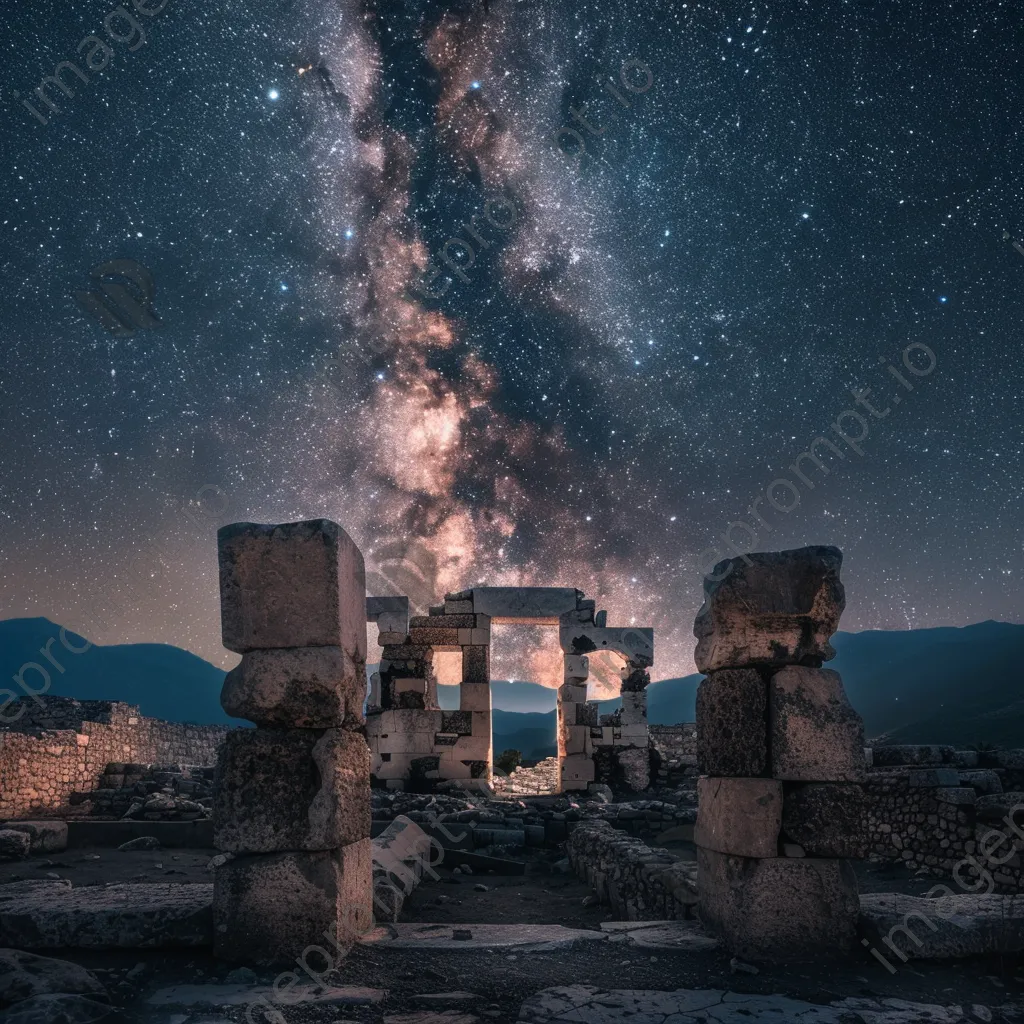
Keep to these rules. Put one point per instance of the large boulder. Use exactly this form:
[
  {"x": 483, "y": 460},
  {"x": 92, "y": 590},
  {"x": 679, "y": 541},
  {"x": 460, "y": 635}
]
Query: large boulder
[
  {"x": 293, "y": 585},
  {"x": 770, "y": 608},
  {"x": 23, "y": 975},
  {"x": 291, "y": 789},
  {"x": 732, "y": 715},
  {"x": 815, "y": 734},
  {"x": 942, "y": 927},
  {"x": 739, "y": 816},
  {"x": 778, "y": 909},
  {"x": 14, "y": 845}
]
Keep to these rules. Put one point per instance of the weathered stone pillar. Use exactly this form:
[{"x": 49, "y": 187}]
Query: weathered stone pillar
[
  {"x": 292, "y": 798},
  {"x": 778, "y": 745},
  {"x": 575, "y": 719},
  {"x": 632, "y": 744}
]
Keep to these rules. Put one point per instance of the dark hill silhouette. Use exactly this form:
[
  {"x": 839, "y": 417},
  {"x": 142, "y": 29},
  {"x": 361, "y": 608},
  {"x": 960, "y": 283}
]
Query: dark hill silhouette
[
  {"x": 164, "y": 681},
  {"x": 947, "y": 685}
]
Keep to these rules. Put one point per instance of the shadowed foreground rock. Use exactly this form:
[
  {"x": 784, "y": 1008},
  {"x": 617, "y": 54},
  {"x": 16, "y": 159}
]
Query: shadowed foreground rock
[
  {"x": 713, "y": 1006},
  {"x": 53, "y": 915}
]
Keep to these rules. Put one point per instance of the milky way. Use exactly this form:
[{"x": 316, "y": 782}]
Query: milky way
[{"x": 520, "y": 293}]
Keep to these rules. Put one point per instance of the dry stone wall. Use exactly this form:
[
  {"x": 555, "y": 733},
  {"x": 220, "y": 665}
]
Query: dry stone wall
[
  {"x": 639, "y": 883},
  {"x": 62, "y": 746},
  {"x": 952, "y": 814}
]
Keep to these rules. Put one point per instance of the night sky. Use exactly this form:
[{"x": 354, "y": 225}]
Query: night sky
[{"x": 777, "y": 204}]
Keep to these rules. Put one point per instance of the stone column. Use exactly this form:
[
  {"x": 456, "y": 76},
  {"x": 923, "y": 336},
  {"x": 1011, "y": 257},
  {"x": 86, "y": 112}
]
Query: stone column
[
  {"x": 292, "y": 796},
  {"x": 575, "y": 719},
  {"x": 781, "y": 752},
  {"x": 632, "y": 744}
]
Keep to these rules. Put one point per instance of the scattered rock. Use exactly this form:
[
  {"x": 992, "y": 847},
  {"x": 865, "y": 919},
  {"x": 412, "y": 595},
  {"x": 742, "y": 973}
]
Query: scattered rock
[
  {"x": 241, "y": 976},
  {"x": 24, "y": 975},
  {"x": 142, "y": 843},
  {"x": 480, "y": 887},
  {"x": 739, "y": 967},
  {"x": 462, "y": 934},
  {"x": 14, "y": 845}
]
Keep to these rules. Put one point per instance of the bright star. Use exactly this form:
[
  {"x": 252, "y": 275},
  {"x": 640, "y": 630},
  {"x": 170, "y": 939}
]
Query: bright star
[
  {"x": 943, "y": 298},
  {"x": 474, "y": 85},
  {"x": 273, "y": 94},
  {"x": 349, "y": 232},
  {"x": 284, "y": 287}
]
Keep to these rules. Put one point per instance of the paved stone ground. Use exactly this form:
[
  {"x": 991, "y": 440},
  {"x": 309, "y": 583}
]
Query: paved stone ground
[{"x": 583, "y": 1003}]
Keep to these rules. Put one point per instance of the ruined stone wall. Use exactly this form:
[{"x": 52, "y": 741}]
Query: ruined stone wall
[
  {"x": 937, "y": 810},
  {"x": 41, "y": 767},
  {"x": 640, "y": 884},
  {"x": 673, "y": 754}
]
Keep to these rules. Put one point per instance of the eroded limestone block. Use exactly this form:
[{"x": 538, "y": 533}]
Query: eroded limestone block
[
  {"x": 475, "y": 697},
  {"x": 827, "y": 819},
  {"x": 44, "y": 836},
  {"x": 532, "y": 605},
  {"x": 294, "y": 789},
  {"x": 297, "y": 687},
  {"x": 770, "y": 608},
  {"x": 779, "y": 909},
  {"x": 268, "y": 908},
  {"x": 732, "y": 723},
  {"x": 476, "y": 666},
  {"x": 577, "y": 771},
  {"x": 293, "y": 585},
  {"x": 816, "y": 736},
  {"x": 741, "y": 817}
]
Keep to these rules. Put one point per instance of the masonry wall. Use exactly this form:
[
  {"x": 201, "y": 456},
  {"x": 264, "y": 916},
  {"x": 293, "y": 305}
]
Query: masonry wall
[
  {"x": 945, "y": 814},
  {"x": 41, "y": 767},
  {"x": 673, "y": 754}
]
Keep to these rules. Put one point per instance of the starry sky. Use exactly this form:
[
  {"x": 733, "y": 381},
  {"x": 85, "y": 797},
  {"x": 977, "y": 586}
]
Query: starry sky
[{"x": 692, "y": 234}]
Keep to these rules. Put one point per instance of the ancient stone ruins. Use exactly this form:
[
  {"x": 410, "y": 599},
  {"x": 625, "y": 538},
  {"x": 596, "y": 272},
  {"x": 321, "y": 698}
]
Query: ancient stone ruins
[
  {"x": 739, "y": 831},
  {"x": 413, "y": 743}
]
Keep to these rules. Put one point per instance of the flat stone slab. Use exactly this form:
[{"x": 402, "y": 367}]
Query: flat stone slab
[
  {"x": 687, "y": 935},
  {"x": 468, "y": 937},
  {"x": 126, "y": 915},
  {"x": 585, "y": 1003},
  {"x": 239, "y": 995},
  {"x": 941, "y": 928}
]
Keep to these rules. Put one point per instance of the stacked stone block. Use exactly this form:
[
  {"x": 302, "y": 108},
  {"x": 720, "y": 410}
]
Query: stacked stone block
[
  {"x": 292, "y": 796},
  {"x": 781, "y": 753}
]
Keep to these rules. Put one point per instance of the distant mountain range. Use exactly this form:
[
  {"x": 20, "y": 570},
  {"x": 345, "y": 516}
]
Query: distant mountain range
[
  {"x": 947, "y": 685},
  {"x": 166, "y": 682}
]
